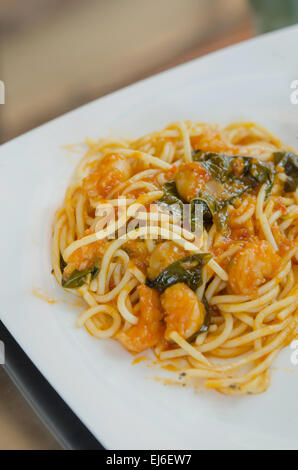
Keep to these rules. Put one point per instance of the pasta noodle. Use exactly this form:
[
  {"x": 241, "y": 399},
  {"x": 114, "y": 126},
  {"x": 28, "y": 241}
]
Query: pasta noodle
[{"x": 222, "y": 296}]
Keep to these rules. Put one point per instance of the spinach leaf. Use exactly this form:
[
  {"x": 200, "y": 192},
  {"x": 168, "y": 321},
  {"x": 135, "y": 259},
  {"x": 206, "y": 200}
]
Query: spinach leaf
[
  {"x": 288, "y": 161},
  {"x": 171, "y": 200},
  {"x": 219, "y": 166},
  {"x": 207, "y": 319},
  {"x": 62, "y": 263},
  {"x": 77, "y": 278},
  {"x": 222, "y": 168},
  {"x": 209, "y": 208},
  {"x": 207, "y": 213},
  {"x": 206, "y": 324},
  {"x": 256, "y": 173},
  {"x": 187, "y": 270},
  {"x": 213, "y": 210},
  {"x": 94, "y": 272}
]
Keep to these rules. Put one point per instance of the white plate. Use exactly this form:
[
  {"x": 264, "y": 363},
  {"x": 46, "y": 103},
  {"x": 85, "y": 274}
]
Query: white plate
[{"x": 115, "y": 400}]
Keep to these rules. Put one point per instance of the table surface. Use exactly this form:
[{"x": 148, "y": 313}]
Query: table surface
[{"x": 20, "y": 427}]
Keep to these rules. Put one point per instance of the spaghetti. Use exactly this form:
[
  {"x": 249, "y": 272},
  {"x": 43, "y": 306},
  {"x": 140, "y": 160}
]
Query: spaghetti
[{"x": 222, "y": 303}]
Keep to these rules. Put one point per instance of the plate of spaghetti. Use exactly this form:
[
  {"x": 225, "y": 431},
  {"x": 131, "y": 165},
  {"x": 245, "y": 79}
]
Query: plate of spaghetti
[
  {"x": 163, "y": 250},
  {"x": 225, "y": 301}
]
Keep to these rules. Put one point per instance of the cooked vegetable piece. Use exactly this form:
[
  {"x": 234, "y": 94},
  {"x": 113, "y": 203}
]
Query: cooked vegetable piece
[
  {"x": 207, "y": 320},
  {"x": 77, "y": 278},
  {"x": 207, "y": 213},
  {"x": 288, "y": 161},
  {"x": 62, "y": 263},
  {"x": 206, "y": 323},
  {"x": 237, "y": 173},
  {"x": 213, "y": 210},
  {"x": 171, "y": 200},
  {"x": 231, "y": 176},
  {"x": 187, "y": 270}
]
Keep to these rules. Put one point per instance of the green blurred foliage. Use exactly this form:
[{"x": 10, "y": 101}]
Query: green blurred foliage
[{"x": 274, "y": 14}]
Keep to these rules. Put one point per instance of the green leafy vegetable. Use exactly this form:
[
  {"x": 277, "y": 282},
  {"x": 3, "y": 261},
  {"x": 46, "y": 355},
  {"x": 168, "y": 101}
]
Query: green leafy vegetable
[
  {"x": 207, "y": 320},
  {"x": 207, "y": 213},
  {"x": 187, "y": 270},
  {"x": 62, "y": 263},
  {"x": 171, "y": 200},
  {"x": 288, "y": 161},
  {"x": 77, "y": 278},
  {"x": 206, "y": 324},
  {"x": 213, "y": 210},
  {"x": 94, "y": 272},
  {"x": 222, "y": 168},
  {"x": 217, "y": 165},
  {"x": 257, "y": 172}
]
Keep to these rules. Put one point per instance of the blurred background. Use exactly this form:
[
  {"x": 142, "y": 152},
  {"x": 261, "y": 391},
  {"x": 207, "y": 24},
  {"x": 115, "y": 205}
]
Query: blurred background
[{"x": 57, "y": 55}]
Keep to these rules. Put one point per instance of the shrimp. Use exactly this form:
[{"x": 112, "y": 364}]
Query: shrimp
[
  {"x": 190, "y": 179},
  {"x": 149, "y": 330},
  {"x": 211, "y": 140},
  {"x": 85, "y": 256},
  {"x": 252, "y": 266},
  {"x": 184, "y": 313},
  {"x": 162, "y": 256},
  {"x": 110, "y": 172}
]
